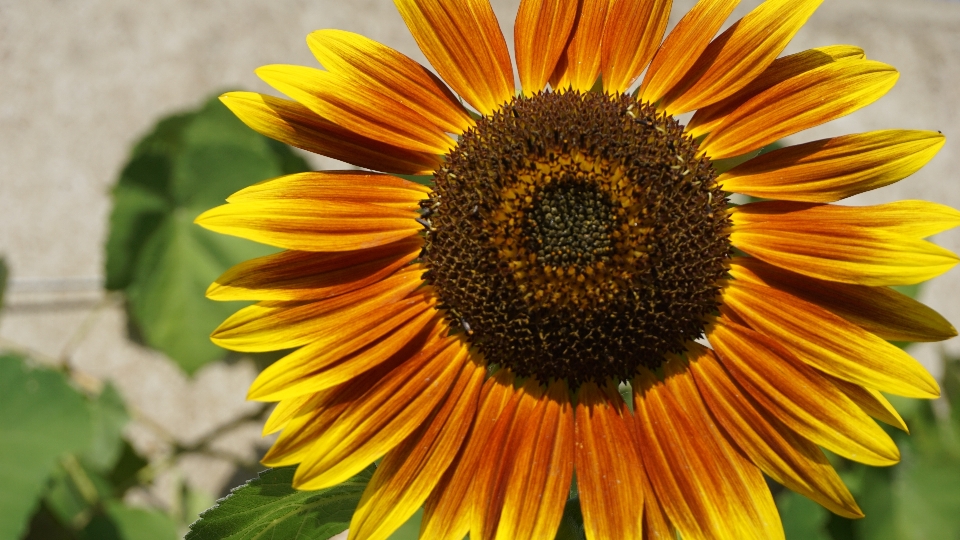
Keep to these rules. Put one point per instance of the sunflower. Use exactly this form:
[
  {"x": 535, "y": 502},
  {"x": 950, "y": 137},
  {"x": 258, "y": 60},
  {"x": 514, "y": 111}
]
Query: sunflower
[{"x": 539, "y": 304}]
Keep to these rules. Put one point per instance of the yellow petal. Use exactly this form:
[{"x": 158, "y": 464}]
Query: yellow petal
[
  {"x": 807, "y": 100},
  {"x": 463, "y": 42},
  {"x": 631, "y": 36},
  {"x": 832, "y": 169},
  {"x": 707, "y": 488},
  {"x": 916, "y": 219},
  {"x": 448, "y": 511},
  {"x": 799, "y": 397},
  {"x": 579, "y": 65},
  {"x": 409, "y": 472},
  {"x": 740, "y": 54},
  {"x": 345, "y": 186},
  {"x": 273, "y": 326},
  {"x": 709, "y": 117},
  {"x": 607, "y": 465},
  {"x": 857, "y": 255},
  {"x": 293, "y": 124},
  {"x": 540, "y": 36},
  {"x": 879, "y": 310},
  {"x": 369, "y": 113},
  {"x": 538, "y": 467},
  {"x": 780, "y": 453},
  {"x": 872, "y": 402},
  {"x": 304, "y": 275},
  {"x": 382, "y": 418},
  {"x": 392, "y": 74},
  {"x": 828, "y": 342},
  {"x": 686, "y": 42}
]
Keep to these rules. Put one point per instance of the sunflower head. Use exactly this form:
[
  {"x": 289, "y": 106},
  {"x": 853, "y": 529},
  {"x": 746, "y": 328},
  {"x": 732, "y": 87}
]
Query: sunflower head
[{"x": 577, "y": 236}]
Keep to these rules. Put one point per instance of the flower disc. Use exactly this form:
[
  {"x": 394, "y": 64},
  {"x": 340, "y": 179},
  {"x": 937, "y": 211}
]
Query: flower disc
[{"x": 577, "y": 236}]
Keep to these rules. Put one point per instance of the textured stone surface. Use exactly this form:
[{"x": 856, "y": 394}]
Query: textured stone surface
[{"x": 84, "y": 79}]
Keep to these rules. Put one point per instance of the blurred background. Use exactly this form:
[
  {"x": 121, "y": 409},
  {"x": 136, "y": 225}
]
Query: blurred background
[{"x": 105, "y": 272}]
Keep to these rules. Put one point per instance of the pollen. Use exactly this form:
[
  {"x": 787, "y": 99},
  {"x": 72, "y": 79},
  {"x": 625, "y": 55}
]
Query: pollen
[{"x": 577, "y": 236}]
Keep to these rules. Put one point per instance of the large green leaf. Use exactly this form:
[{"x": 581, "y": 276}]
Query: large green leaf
[
  {"x": 189, "y": 163},
  {"x": 41, "y": 418},
  {"x": 268, "y": 507},
  {"x": 121, "y": 522}
]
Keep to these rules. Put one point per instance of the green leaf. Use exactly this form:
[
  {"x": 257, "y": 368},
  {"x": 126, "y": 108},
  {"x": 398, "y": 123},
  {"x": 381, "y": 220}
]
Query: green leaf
[
  {"x": 121, "y": 522},
  {"x": 109, "y": 415},
  {"x": 41, "y": 418},
  {"x": 268, "y": 507},
  {"x": 571, "y": 525},
  {"x": 4, "y": 274},
  {"x": 188, "y": 164}
]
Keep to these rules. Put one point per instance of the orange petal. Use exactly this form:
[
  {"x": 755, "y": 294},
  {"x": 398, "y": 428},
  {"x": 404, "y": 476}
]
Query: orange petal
[
  {"x": 386, "y": 415},
  {"x": 857, "y": 255},
  {"x": 683, "y": 47},
  {"x": 607, "y": 464},
  {"x": 448, "y": 511},
  {"x": 331, "y": 361},
  {"x": 579, "y": 65},
  {"x": 463, "y": 42},
  {"x": 709, "y": 117},
  {"x": 780, "y": 453},
  {"x": 832, "y": 169},
  {"x": 341, "y": 186},
  {"x": 879, "y": 310},
  {"x": 707, "y": 488},
  {"x": 828, "y": 342},
  {"x": 631, "y": 36},
  {"x": 540, "y": 36},
  {"x": 312, "y": 225},
  {"x": 392, "y": 74},
  {"x": 740, "y": 54},
  {"x": 656, "y": 526},
  {"x": 917, "y": 219},
  {"x": 293, "y": 124},
  {"x": 799, "y": 397},
  {"x": 538, "y": 466},
  {"x": 872, "y": 402},
  {"x": 807, "y": 100},
  {"x": 409, "y": 472},
  {"x": 304, "y": 275},
  {"x": 273, "y": 326},
  {"x": 367, "y": 113}
]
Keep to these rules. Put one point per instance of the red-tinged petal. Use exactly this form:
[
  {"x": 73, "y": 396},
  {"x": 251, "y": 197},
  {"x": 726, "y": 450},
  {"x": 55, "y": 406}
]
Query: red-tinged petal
[
  {"x": 311, "y": 225},
  {"x": 683, "y": 47},
  {"x": 706, "y": 487},
  {"x": 608, "y": 466},
  {"x": 799, "y": 397},
  {"x": 740, "y": 54},
  {"x": 807, "y": 100},
  {"x": 631, "y": 36},
  {"x": 367, "y": 113},
  {"x": 392, "y": 74},
  {"x": 709, "y": 117},
  {"x": 341, "y": 186},
  {"x": 448, "y": 511},
  {"x": 383, "y": 417},
  {"x": 273, "y": 326},
  {"x": 540, "y": 36},
  {"x": 463, "y": 42},
  {"x": 916, "y": 219},
  {"x": 780, "y": 453},
  {"x": 579, "y": 65},
  {"x": 293, "y": 124},
  {"x": 409, "y": 472},
  {"x": 538, "y": 467},
  {"x": 305, "y": 275},
  {"x": 879, "y": 310},
  {"x": 872, "y": 402},
  {"x": 857, "y": 255},
  {"x": 329, "y": 362},
  {"x": 845, "y": 351},
  {"x": 832, "y": 169}
]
